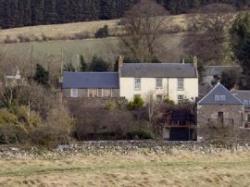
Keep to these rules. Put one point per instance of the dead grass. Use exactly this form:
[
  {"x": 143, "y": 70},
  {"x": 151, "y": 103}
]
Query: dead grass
[{"x": 180, "y": 168}]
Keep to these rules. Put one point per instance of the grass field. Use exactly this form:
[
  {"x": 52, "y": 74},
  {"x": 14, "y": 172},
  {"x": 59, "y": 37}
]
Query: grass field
[{"x": 178, "y": 168}]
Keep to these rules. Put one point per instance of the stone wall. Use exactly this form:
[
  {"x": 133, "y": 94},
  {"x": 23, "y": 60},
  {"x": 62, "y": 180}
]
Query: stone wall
[
  {"x": 207, "y": 114},
  {"x": 116, "y": 147}
]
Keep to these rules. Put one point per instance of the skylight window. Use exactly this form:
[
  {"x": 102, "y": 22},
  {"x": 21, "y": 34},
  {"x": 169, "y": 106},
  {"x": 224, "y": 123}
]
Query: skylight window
[{"x": 220, "y": 97}]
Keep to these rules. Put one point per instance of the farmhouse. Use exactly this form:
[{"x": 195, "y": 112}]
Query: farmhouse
[
  {"x": 174, "y": 81},
  {"x": 219, "y": 108}
]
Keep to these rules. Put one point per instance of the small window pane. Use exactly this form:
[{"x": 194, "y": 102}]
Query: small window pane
[
  {"x": 74, "y": 93},
  {"x": 180, "y": 84},
  {"x": 137, "y": 84},
  {"x": 158, "y": 83}
]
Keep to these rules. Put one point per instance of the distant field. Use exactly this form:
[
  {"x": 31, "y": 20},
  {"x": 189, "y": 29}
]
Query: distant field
[
  {"x": 108, "y": 48},
  {"x": 179, "y": 168}
]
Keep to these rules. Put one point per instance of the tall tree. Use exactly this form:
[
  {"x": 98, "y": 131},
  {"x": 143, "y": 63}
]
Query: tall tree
[
  {"x": 211, "y": 44},
  {"x": 240, "y": 37},
  {"x": 143, "y": 24},
  {"x": 41, "y": 75}
]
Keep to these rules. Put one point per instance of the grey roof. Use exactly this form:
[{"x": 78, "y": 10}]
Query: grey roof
[
  {"x": 218, "y": 91},
  {"x": 158, "y": 70},
  {"x": 243, "y": 95},
  {"x": 217, "y": 70},
  {"x": 90, "y": 80}
]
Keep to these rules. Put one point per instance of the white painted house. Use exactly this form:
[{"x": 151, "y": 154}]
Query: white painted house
[{"x": 175, "y": 81}]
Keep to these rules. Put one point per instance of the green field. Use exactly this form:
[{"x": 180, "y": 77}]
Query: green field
[
  {"x": 107, "y": 48},
  {"x": 178, "y": 168}
]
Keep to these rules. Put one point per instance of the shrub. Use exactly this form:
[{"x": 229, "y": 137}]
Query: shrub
[
  {"x": 136, "y": 103},
  {"x": 55, "y": 131},
  {"x": 140, "y": 134},
  {"x": 10, "y": 134},
  {"x": 169, "y": 102},
  {"x": 26, "y": 116},
  {"x": 41, "y": 75},
  {"x": 7, "y": 118},
  {"x": 102, "y": 32}
]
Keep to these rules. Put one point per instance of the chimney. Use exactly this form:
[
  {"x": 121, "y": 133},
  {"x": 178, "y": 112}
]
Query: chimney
[
  {"x": 195, "y": 62},
  {"x": 120, "y": 61}
]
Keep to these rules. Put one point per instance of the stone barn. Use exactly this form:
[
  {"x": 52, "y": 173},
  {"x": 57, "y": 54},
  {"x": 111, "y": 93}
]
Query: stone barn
[{"x": 219, "y": 108}]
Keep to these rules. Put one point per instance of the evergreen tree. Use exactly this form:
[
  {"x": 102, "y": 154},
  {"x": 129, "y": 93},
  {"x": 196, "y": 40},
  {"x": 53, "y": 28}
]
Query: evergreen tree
[
  {"x": 83, "y": 65},
  {"x": 41, "y": 76},
  {"x": 98, "y": 65},
  {"x": 240, "y": 34}
]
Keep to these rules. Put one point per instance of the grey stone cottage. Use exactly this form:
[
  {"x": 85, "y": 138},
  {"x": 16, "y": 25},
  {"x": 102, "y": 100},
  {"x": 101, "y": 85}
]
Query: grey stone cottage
[
  {"x": 244, "y": 96},
  {"x": 219, "y": 107},
  {"x": 90, "y": 84}
]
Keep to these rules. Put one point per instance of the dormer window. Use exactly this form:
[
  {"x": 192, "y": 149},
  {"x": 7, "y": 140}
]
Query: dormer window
[{"x": 220, "y": 97}]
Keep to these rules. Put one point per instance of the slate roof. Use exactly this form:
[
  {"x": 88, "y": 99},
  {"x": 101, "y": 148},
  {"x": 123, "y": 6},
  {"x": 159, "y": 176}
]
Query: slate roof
[
  {"x": 219, "y": 90},
  {"x": 158, "y": 70},
  {"x": 243, "y": 95},
  {"x": 217, "y": 70},
  {"x": 83, "y": 80}
]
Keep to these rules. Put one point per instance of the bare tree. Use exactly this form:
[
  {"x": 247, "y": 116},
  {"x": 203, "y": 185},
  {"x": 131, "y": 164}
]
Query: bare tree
[
  {"x": 211, "y": 44},
  {"x": 143, "y": 25}
]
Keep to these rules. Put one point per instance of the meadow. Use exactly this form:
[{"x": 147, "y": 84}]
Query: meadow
[{"x": 133, "y": 168}]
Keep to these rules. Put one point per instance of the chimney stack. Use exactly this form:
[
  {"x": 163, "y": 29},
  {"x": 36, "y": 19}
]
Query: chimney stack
[{"x": 120, "y": 61}]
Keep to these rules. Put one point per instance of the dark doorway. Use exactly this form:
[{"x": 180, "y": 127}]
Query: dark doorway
[{"x": 221, "y": 118}]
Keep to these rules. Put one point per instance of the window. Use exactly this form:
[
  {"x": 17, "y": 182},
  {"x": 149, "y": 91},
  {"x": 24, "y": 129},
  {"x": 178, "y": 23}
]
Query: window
[
  {"x": 137, "y": 84},
  {"x": 180, "y": 98},
  {"x": 248, "y": 118},
  {"x": 180, "y": 84},
  {"x": 74, "y": 93},
  {"x": 107, "y": 93},
  {"x": 93, "y": 92},
  {"x": 159, "y": 97},
  {"x": 158, "y": 83},
  {"x": 220, "y": 98}
]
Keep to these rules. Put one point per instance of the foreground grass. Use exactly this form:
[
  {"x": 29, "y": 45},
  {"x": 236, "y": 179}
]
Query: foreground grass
[{"x": 178, "y": 168}]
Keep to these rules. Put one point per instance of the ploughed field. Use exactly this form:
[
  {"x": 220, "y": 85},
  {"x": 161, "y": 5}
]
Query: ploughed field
[{"x": 132, "y": 168}]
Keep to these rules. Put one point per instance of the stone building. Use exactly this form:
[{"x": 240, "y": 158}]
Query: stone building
[{"x": 219, "y": 108}]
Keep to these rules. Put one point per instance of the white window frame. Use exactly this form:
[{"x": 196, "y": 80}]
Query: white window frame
[
  {"x": 137, "y": 83},
  {"x": 157, "y": 81},
  {"x": 74, "y": 93},
  {"x": 180, "y": 84}
]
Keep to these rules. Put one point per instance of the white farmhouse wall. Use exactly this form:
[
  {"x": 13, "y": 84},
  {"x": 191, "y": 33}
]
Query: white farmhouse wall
[{"x": 148, "y": 87}]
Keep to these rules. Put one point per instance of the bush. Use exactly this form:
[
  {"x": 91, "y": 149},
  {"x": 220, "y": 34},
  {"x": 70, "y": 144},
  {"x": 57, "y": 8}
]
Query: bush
[
  {"x": 10, "y": 134},
  {"x": 55, "y": 131},
  {"x": 136, "y": 103},
  {"x": 49, "y": 136},
  {"x": 140, "y": 135},
  {"x": 7, "y": 118},
  {"x": 102, "y": 32}
]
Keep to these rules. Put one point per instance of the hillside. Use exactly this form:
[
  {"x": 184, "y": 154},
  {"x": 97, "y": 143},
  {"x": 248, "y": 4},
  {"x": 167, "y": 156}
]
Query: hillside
[
  {"x": 19, "y": 13},
  {"x": 64, "y": 37}
]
